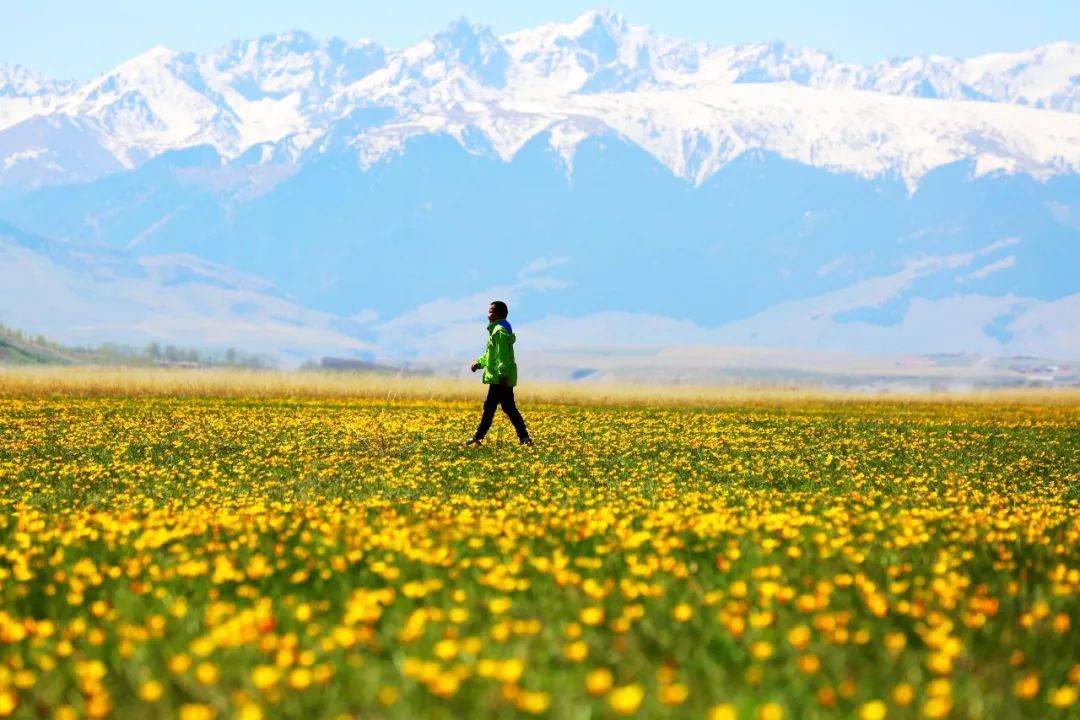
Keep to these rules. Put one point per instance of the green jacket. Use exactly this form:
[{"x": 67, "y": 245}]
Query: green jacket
[{"x": 498, "y": 358}]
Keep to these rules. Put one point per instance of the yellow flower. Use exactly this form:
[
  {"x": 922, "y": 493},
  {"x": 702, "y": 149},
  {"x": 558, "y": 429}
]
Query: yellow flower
[
  {"x": 939, "y": 687},
  {"x": 599, "y": 681},
  {"x": 682, "y": 612},
  {"x": 446, "y": 649},
  {"x": 873, "y": 710},
  {"x": 445, "y": 685},
  {"x": 761, "y": 650},
  {"x": 940, "y": 663},
  {"x": 25, "y": 679},
  {"x": 206, "y": 673},
  {"x": 151, "y": 690},
  {"x": 499, "y": 605},
  {"x": 770, "y": 711},
  {"x": 195, "y": 711},
  {"x": 809, "y": 664},
  {"x": 799, "y": 636},
  {"x": 265, "y": 676},
  {"x": 903, "y": 694},
  {"x": 674, "y": 694},
  {"x": 1027, "y": 687},
  {"x": 592, "y": 616},
  {"x": 249, "y": 711},
  {"x": 8, "y": 702},
  {"x": 1063, "y": 697},
  {"x": 510, "y": 670},
  {"x": 937, "y": 707},
  {"x": 576, "y": 651},
  {"x": 533, "y": 703},
  {"x": 99, "y": 706},
  {"x": 179, "y": 664},
  {"x": 300, "y": 679},
  {"x": 724, "y": 711},
  {"x": 387, "y": 695},
  {"x": 627, "y": 699}
]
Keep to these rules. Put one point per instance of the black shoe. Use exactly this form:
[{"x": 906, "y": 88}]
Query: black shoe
[
  {"x": 527, "y": 442},
  {"x": 473, "y": 442}
]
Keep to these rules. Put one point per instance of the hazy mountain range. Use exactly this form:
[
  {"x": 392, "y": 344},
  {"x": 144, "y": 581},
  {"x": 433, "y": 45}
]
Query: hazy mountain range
[{"x": 621, "y": 188}]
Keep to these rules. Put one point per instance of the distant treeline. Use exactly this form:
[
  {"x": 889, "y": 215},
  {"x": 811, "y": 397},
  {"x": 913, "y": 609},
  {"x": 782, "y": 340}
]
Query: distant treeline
[{"x": 20, "y": 347}]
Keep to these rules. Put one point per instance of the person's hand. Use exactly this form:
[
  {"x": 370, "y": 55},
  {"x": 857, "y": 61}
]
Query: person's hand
[{"x": 474, "y": 367}]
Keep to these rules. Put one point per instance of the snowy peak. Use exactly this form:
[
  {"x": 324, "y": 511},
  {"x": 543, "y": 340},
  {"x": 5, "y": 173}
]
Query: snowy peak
[
  {"x": 603, "y": 21},
  {"x": 25, "y": 94},
  {"x": 154, "y": 102},
  {"x": 778, "y": 62},
  {"x": 598, "y": 52},
  {"x": 1044, "y": 77},
  {"x": 926, "y": 77},
  {"x": 17, "y": 81},
  {"x": 274, "y": 66},
  {"x": 471, "y": 48}
]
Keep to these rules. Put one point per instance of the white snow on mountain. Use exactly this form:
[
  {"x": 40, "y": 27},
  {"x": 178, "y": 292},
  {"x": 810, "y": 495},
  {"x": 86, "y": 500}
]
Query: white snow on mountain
[
  {"x": 1045, "y": 77},
  {"x": 24, "y": 94},
  {"x": 695, "y": 133},
  {"x": 282, "y": 85},
  {"x": 153, "y": 103},
  {"x": 693, "y": 106}
]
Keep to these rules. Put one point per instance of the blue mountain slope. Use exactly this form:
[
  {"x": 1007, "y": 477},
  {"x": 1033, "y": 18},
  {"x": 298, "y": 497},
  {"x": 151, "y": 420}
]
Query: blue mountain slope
[
  {"x": 87, "y": 294},
  {"x": 439, "y": 221}
]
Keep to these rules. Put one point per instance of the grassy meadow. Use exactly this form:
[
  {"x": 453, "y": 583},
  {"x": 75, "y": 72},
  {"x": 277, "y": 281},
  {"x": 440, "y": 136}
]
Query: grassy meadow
[{"x": 217, "y": 545}]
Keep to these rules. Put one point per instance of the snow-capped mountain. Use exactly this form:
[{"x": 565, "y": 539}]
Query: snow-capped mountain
[
  {"x": 693, "y": 106},
  {"x": 742, "y": 194}
]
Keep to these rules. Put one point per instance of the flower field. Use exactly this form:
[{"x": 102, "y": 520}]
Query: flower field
[{"x": 213, "y": 557}]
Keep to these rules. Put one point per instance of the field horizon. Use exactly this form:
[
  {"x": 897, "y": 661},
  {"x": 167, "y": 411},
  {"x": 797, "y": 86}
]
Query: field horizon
[{"x": 142, "y": 381}]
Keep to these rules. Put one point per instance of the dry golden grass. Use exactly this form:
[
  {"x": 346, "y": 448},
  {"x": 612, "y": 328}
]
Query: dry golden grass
[{"x": 238, "y": 383}]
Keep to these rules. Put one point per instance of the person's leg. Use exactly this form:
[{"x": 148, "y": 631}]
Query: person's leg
[
  {"x": 510, "y": 408},
  {"x": 490, "y": 403}
]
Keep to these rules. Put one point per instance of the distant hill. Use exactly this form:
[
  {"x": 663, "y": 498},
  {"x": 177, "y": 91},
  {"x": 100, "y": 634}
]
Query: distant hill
[
  {"x": 15, "y": 349},
  {"x": 20, "y": 348}
]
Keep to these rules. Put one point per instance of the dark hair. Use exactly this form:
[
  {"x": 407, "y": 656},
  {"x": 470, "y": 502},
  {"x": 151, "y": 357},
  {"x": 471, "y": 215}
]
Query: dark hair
[{"x": 500, "y": 307}]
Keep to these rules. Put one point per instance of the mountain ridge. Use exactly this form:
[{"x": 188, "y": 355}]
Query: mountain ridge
[{"x": 291, "y": 94}]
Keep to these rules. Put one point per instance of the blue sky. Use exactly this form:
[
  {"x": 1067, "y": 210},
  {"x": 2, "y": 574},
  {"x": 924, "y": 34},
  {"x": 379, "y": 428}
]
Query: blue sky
[{"x": 76, "y": 38}]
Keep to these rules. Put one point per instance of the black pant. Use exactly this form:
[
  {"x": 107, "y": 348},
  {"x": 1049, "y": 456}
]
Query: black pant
[{"x": 501, "y": 395}]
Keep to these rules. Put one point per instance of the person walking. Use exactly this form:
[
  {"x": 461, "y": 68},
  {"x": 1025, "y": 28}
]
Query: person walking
[{"x": 500, "y": 375}]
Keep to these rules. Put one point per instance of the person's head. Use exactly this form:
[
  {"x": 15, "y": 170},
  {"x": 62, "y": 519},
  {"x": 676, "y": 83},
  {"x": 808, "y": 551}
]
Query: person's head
[{"x": 497, "y": 310}]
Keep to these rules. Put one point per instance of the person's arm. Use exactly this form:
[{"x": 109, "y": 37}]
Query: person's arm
[{"x": 480, "y": 362}]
